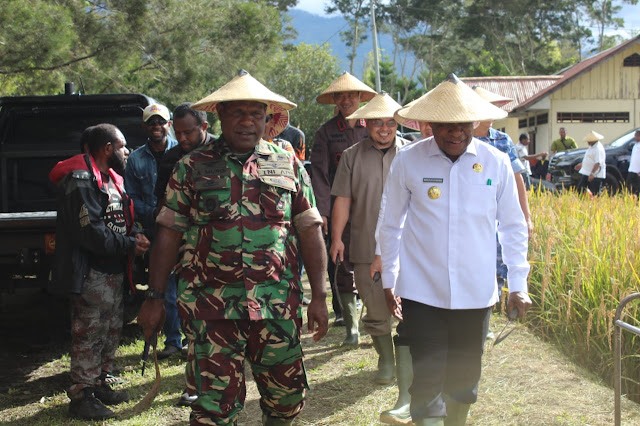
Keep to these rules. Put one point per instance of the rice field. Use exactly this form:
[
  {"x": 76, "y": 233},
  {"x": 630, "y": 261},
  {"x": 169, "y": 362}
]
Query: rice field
[{"x": 584, "y": 258}]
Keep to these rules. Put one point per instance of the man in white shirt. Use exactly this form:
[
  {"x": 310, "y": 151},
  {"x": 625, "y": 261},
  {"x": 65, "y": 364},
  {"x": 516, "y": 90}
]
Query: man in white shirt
[
  {"x": 633, "y": 177},
  {"x": 593, "y": 168},
  {"x": 443, "y": 198}
]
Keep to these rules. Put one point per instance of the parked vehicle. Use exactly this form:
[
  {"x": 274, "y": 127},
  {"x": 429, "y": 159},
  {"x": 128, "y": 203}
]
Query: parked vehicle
[
  {"x": 562, "y": 171},
  {"x": 35, "y": 133}
]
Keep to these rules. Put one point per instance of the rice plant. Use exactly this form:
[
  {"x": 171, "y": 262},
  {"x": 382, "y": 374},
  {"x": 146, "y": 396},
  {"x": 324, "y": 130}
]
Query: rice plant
[{"x": 584, "y": 259}]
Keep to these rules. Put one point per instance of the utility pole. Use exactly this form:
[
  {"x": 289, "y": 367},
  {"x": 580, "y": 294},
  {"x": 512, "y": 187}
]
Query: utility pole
[{"x": 376, "y": 59}]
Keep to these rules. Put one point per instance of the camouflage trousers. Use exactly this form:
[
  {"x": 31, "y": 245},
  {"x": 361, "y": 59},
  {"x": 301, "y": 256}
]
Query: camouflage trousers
[
  {"x": 215, "y": 368},
  {"x": 96, "y": 323}
]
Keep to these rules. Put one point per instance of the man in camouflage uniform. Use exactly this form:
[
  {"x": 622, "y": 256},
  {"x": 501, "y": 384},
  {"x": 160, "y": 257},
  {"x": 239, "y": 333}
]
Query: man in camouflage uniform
[
  {"x": 95, "y": 233},
  {"x": 333, "y": 137},
  {"x": 242, "y": 205}
]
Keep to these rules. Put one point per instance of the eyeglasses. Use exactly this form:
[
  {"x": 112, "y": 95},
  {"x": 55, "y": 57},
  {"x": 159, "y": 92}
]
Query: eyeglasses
[
  {"x": 156, "y": 122},
  {"x": 380, "y": 123}
]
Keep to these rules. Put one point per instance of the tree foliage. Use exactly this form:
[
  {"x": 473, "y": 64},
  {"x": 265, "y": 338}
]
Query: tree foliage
[{"x": 169, "y": 49}]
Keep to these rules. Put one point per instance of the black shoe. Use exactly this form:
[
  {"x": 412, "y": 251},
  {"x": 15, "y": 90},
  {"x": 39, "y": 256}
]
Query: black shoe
[
  {"x": 186, "y": 400},
  {"x": 339, "y": 322},
  {"x": 305, "y": 301},
  {"x": 168, "y": 351},
  {"x": 89, "y": 408},
  {"x": 108, "y": 396}
]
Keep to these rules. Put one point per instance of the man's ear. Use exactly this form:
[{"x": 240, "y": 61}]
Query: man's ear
[
  {"x": 205, "y": 126},
  {"x": 107, "y": 149}
]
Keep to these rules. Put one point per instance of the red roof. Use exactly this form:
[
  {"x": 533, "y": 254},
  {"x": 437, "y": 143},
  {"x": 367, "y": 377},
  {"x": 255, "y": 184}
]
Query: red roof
[
  {"x": 518, "y": 88},
  {"x": 577, "y": 70}
]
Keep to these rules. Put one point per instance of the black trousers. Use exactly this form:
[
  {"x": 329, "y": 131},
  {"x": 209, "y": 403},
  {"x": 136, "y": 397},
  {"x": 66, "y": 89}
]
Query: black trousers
[
  {"x": 446, "y": 348},
  {"x": 594, "y": 186},
  {"x": 633, "y": 183}
]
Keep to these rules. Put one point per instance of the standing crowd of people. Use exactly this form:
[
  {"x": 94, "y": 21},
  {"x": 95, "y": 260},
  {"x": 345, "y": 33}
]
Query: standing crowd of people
[{"x": 407, "y": 229}]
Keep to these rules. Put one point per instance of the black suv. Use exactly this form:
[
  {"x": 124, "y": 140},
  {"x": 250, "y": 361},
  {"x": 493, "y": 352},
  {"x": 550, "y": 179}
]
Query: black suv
[
  {"x": 563, "y": 174},
  {"x": 35, "y": 133}
]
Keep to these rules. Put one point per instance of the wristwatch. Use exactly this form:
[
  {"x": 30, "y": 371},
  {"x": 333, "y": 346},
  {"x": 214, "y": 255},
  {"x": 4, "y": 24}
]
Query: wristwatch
[{"x": 154, "y": 294}]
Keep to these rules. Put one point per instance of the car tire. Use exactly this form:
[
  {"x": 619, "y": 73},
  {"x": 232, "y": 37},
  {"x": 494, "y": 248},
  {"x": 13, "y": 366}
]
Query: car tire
[{"x": 611, "y": 184}]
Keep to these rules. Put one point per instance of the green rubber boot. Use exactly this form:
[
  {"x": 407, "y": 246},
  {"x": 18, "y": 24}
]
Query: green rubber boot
[
  {"x": 350, "y": 314},
  {"x": 386, "y": 362},
  {"x": 400, "y": 413},
  {"x": 456, "y": 413},
  {"x": 273, "y": 421}
]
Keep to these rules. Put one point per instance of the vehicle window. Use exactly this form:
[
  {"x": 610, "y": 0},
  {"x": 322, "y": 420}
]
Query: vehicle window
[{"x": 624, "y": 139}]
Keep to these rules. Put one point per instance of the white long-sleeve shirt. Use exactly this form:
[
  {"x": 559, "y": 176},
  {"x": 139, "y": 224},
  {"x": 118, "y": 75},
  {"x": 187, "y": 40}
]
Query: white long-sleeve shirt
[
  {"x": 634, "y": 161},
  {"x": 440, "y": 250},
  {"x": 595, "y": 155}
]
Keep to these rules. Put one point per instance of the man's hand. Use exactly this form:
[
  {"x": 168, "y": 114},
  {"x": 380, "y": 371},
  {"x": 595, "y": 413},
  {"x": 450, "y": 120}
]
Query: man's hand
[
  {"x": 337, "y": 249},
  {"x": 142, "y": 244},
  {"x": 376, "y": 266},
  {"x": 325, "y": 225},
  {"x": 393, "y": 303},
  {"x": 577, "y": 167},
  {"x": 519, "y": 300},
  {"x": 530, "y": 227},
  {"x": 318, "y": 318},
  {"x": 591, "y": 177},
  {"x": 151, "y": 317}
]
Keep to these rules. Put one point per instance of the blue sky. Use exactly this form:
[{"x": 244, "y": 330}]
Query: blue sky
[{"x": 630, "y": 13}]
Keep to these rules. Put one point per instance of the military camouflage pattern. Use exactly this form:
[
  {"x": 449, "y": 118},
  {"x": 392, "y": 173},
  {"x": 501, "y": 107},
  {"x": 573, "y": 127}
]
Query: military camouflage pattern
[
  {"x": 240, "y": 222},
  {"x": 215, "y": 367},
  {"x": 96, "y": 323}
]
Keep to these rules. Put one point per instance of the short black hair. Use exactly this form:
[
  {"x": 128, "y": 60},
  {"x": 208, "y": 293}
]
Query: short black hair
[
  {"x": 185, "y": 109},
  {"x": 99, "y": 135},
  {"x": 523, "y": 136}
]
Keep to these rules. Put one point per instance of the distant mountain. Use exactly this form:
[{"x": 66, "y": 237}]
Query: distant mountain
[{"x": 314, "y": 29}]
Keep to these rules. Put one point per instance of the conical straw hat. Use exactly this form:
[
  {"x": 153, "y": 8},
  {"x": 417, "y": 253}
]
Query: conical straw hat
[
  {"x": 346, "y": 83},
  {"x": 381, "y": 106},
  {"x": 412, "y": 124},
  {"x": 593, "y": 137},
  {"x": 243, "y": 87},
  {"x": 276, "y": 124},
  {"x": 494, "y": 98},
  {"x": 452, "y": 101}
]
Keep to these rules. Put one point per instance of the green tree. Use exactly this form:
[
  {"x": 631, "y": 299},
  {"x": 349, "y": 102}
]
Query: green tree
[
  {"x": 169, "y": 49},
  {"x": 356, "y": 13},
  {"x": 300, "y": 75},
  {"x": 602, "y": 14}
]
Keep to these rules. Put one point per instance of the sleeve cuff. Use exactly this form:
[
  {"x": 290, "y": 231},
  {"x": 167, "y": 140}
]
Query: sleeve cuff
[
  {"x": 306, "y": 219},
  {"x": 172, "y": 219}
]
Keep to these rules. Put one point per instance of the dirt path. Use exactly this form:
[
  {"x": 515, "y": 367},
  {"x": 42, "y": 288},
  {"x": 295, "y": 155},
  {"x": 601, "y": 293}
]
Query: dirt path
[{"x": 525, "y": 382}]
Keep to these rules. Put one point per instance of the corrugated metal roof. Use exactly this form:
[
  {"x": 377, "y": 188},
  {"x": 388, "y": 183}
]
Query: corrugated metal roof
[
  {"x": 578, "y": 69},
  {"x": 518, "y": 88}
]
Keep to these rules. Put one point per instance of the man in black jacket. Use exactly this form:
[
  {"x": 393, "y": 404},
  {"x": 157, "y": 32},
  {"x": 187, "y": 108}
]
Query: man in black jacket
[{"x": 95, "y": 236}]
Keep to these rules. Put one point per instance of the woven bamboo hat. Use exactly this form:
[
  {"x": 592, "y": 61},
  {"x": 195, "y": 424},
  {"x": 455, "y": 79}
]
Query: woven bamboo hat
[
  {"x": 276, "y": 124},
  {"x": 243, "y": 87},
  {"x": 494, "y": 98},
  {"x": 593, "y": 137},
  {"x": 412, "y": 124},
  {"x": 452, "y": 101},
  {"x": 346, "y": 83},
  {"x": 381, "y": 106}
]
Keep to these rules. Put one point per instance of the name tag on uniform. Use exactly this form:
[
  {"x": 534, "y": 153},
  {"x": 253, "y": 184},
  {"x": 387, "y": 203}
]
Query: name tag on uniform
[
  {"x": 211, "y": 168},
  {"x": 216, "y": 183},
  {"x": 432, "y": 180},
  {"x": 276, "y": 172},
  {"x": 280, "y": 182}
]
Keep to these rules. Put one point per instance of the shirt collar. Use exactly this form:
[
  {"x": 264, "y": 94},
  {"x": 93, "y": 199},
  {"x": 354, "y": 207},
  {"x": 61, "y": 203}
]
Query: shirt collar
[{"x": 433, "y": 149}]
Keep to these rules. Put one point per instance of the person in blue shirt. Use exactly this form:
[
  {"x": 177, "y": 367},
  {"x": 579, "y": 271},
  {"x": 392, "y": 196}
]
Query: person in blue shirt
[
  {"x": 141, "y": 172},
  {"x": 140, "y": 177},
  {"x": 503, "y": 142}
]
